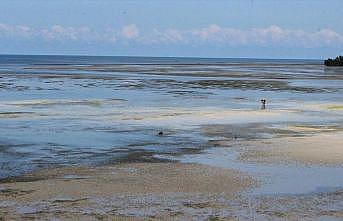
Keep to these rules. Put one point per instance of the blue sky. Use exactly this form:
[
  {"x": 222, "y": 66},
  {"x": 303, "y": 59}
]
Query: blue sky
[{"x": 251, "y": 28}]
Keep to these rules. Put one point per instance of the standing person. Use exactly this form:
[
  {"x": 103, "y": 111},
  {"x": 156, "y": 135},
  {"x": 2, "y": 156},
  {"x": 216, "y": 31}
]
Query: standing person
[{"x": 263, "y": 101}]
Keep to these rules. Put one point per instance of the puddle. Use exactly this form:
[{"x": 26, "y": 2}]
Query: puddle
[{"x": 276, "y": 179}]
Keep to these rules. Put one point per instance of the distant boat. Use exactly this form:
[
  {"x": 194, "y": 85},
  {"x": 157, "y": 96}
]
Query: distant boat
[{"x": 338, "y": 61}]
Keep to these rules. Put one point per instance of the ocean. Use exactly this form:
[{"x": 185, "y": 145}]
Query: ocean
[{"x": 81, "y": 110}]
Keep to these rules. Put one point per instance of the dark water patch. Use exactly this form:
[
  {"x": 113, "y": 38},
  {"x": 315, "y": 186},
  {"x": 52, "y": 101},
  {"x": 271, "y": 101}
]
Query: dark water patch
[
  {"x": 251, "y": 81},
  {"x": 137, "y": 156},
  {"x": 14, "y": 87},
  {"x": 110, "y": 129},
  {"x": 140, "y": 145},
  {"x": 8, "y": 86},
  {"x": 55, "y": 102},
  {"x": 68, "y": 200},
  {"x": 188, "y": 150},
  {"x": 143, "y": 144},
  {"x": 26, "y": 177},
  {"x": 14, "y": 192},
  {"x": 182, "y": 87},
  {"x": 190, "y": 93},
  {"x": 15, "y": 112},
  {"x": 267, "y": 85},
  {"x": 271, "y": 71},
  {"x": 8, "y": 147},
  {"x": 245, "y": 131}
]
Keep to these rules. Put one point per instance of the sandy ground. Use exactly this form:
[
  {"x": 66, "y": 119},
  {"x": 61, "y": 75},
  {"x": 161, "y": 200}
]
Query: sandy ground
[
  {"x": 319, "y": 148},
  {"x": 155, "y": 191},
  {"x": 77, "y": 193}
]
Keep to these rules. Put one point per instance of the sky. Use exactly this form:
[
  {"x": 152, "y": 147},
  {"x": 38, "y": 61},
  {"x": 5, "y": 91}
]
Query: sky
[{"x": 191, "y": 28}]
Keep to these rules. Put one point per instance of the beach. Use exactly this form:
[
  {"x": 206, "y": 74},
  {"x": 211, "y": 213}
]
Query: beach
[
  {"x": 170, "y": 139},
  {"x": 155, "y": 191},
  {"x": 135, "y": 187}
]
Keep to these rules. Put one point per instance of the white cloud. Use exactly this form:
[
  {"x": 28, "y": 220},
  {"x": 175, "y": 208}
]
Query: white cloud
[
  {"x": 173, "y": 35},
  {"x": 266, "y": 36},
  {"x": 327, "y": 36},
  {"x": 130, "y": 31},
  {"x": 16, "y": 31},
  {"x": 58, "y": 32},
  {"x": 163, "y": 37},
  {"x": 213, "y": 34},
  {"x": 208, "y": 33},
  {"x": 110, "y": 35}
]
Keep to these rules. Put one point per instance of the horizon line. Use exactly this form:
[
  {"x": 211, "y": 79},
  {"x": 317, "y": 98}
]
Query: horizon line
[{"x": 143, "y": 56}]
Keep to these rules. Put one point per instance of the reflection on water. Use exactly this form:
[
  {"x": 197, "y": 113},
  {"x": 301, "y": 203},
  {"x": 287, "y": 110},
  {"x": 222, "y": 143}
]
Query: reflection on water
[{"x": 55, "y": 111}]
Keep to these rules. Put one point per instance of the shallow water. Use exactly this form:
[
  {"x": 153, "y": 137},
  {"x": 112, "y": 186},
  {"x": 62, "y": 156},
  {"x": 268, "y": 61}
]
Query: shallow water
[
  {"x": 83, "y": 110},
  {"x": 284, "y": 179}
]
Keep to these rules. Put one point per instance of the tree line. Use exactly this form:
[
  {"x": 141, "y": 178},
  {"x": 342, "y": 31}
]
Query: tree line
[{"x": 338, "y": 61}]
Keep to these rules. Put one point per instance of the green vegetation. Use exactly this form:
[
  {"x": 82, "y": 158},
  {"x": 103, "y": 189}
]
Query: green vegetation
[{"x": 338, "y": 61}]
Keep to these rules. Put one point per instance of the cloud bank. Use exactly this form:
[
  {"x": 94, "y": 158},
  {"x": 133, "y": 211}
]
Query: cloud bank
[
  {"x": 210, "y": 35},
  {"x": 130, "y": 31}
]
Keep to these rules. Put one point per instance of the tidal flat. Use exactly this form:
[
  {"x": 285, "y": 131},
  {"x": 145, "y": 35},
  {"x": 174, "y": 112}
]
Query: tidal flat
[{"x": 170, "y": 139}]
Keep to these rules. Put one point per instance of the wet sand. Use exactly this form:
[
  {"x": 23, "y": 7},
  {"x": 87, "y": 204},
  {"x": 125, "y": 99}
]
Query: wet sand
[
  {"x": 319, "y": 148},
  {"x": 156, "y": 191},
  {"x": 79, "y": 192}
]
